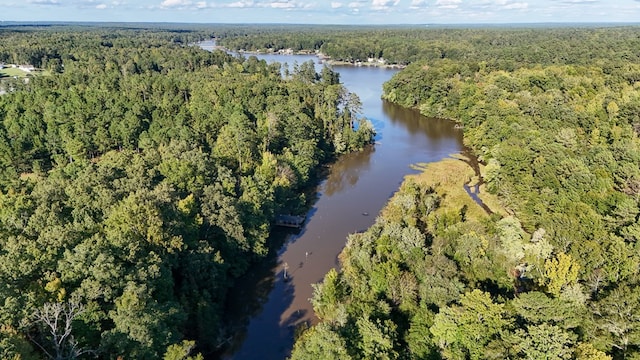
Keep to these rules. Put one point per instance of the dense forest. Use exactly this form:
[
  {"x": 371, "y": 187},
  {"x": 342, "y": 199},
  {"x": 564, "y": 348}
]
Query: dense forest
[
  {"x": 140, "y": 178},
  {"x": 552, "y": 273},
  {"x": 498, "y": 48}
]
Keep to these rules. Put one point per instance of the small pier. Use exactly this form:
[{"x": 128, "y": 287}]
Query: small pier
[{"x": 290, "y": 221}]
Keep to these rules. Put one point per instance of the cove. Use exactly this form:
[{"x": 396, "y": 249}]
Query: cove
[{"x": 265, "y": 307}]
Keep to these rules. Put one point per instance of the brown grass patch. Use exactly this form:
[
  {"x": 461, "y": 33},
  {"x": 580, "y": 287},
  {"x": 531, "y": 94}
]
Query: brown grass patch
[{"x": 448, "y": 177}]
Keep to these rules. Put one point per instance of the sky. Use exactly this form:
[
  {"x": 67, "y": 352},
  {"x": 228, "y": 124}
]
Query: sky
[{"x": 324, "y": 11}]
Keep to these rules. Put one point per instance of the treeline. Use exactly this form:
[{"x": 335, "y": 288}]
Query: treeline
[
  {"x": 558, "y": 277},
  {"x": 140, "y": 178},
  {"x": 499, "y": 48},
  {"x": 23, "y": 45}
]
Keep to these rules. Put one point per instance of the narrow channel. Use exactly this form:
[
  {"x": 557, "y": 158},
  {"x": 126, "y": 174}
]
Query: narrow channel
[{"x": 266, "y": 306}]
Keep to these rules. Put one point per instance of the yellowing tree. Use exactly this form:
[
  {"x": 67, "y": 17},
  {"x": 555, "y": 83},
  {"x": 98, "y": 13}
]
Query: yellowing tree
[{"x": 560, "y": 272}]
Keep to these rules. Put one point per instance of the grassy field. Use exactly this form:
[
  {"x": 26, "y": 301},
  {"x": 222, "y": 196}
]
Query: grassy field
[
  {"x": 10, "y": 72},
  {"x": 448, "y": 176}
]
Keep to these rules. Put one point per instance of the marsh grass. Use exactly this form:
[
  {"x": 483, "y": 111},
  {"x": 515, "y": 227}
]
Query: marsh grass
[{"x": 448, "y": 177}]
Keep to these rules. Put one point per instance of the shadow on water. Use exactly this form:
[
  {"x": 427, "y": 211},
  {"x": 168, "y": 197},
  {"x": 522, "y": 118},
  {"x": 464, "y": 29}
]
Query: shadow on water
[
  {"x": 282, "y": 289},
  {"x": 416, "y": 123},
  {"x": 255, "y": 290},
  {"x": 346, "y": 172}
]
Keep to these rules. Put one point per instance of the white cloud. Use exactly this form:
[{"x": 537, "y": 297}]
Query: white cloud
[
  {"x": 247, "y": 4},
  {"x": 184, "y": 4},
  {"x": 241, "y": 4},
  {"x": 417, "y": 4},
  {"x": 336, "y": 5},
  {"x": 355, "y": 4},
  {"x": 383, "y": 4},
  {"x": 44, "y": 2},
  {"x": 97, "y": 4},
  {"x": 281, "y": 5},
  {"x": 175, "y": 3},
  {"x": 510, "y": 5},
  {"x": 520, "y": 5},
  {"x": 448, "y": 4}
]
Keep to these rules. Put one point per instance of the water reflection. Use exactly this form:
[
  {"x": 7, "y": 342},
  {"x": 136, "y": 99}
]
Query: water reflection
[
  {"x": 346, "y": 172},
  {"x": 415, "y": 123},
  {"x": 255, "y": 289}
]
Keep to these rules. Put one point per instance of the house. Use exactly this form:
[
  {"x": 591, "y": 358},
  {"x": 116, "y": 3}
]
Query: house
[
  {"x": 26, "y": 68},
  {"x": 286, "y": 51}
]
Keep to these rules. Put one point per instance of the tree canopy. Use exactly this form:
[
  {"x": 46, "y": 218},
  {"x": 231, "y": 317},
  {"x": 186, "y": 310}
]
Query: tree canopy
[{"x": 140, "y": 178}]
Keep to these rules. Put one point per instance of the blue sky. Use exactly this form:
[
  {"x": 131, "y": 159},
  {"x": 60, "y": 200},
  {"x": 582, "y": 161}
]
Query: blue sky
[{"x": 324, "y": 11}]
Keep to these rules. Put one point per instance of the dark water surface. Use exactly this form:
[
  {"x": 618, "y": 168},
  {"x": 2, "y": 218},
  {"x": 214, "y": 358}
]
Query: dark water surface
[{"x": 265, "y": 307}]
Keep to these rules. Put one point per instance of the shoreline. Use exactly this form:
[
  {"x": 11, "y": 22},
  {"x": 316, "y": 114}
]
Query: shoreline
[
  {"x": 322, "y": 58},
  {"x": 363, "y": 63}
]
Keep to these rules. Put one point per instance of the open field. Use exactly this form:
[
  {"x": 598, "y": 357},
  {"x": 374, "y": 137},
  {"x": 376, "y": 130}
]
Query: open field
[{"x": 10, "y": 72}]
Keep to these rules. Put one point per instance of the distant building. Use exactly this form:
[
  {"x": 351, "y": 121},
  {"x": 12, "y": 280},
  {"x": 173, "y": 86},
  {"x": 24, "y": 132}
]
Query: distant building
[
  {"x": 286, "y": 51},
  {"x": 26, "y": 68}
]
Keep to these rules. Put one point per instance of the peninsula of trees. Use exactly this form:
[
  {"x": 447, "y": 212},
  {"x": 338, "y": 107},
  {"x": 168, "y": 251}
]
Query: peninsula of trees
[{"x": 140, "y": 178}]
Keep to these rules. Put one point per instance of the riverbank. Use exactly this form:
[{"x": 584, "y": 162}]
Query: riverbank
[
  {"x": 431, "y": 244},
  {"x": 322, "y": 58},
  {"x": 376, "y": 64}
]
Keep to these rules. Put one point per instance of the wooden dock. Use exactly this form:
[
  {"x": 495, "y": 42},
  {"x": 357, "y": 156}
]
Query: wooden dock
[{"x": 290, "y": 221}]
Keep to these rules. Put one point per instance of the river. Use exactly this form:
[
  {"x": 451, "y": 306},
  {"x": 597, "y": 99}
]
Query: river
[{"x": 265, "y": 307}]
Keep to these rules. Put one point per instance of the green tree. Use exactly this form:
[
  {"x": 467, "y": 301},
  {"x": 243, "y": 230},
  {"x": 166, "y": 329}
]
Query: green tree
[
  {"x": 616, "y": 317},
  {"x": 327, "y": 297},
  {"x": 464, "y": 330},
  {"x": 320, "y": 342},
  {"x": 546, "y": 342},
  {"x": 182, "y": 351},
  {"x": 586, "y": 351}
]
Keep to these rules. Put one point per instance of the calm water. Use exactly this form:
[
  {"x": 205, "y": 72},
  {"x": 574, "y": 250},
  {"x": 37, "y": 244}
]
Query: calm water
[{"x": 265, "y": 307}]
